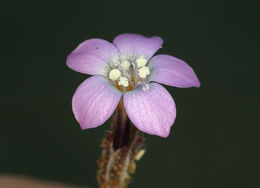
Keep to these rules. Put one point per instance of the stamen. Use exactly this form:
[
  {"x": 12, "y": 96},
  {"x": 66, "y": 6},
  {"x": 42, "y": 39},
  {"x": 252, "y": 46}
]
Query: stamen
[
  {"x": 141, "y": 61},
  {"x": 143, "y": 72},
  {"x": 114, "y": 74},
  {"x": 123, "y": 81},
  {"x": 125, "y": 65},
  {"x": 124, "y": 68}
]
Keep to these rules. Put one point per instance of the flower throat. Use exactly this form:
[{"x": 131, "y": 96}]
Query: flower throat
[{"x": 128, "y": 74}]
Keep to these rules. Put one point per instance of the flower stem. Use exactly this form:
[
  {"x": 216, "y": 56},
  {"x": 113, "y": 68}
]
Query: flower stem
[{"x": 122, "y": 147}]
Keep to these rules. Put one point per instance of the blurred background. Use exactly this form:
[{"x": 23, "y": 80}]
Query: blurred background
[{"x": 213, "y": 142}]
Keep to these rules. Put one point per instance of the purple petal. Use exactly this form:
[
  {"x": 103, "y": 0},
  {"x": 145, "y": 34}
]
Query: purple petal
[
  {"x": 134, "y": 44},
  {"x": 152, "y": 111},
  {"x": 172, "y": 71},
  {"x": 94, "y": 102},
  {"x": 91, "y": 56}
]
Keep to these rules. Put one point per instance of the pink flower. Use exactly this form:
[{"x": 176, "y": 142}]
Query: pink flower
[{"x": 127, "y": 68}]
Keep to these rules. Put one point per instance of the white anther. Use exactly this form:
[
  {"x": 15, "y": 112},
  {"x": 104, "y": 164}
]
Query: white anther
[
  {"x": 123, "y": 81},
  {"x": 125, "y": 65},
  {"x": 143, "y": 72},
  {"x": 114, "y": 74},
  {"x": 141, "y": 61}
]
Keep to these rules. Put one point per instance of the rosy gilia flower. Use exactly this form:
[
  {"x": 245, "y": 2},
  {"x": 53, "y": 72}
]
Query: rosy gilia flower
[{"x": 127, "y": 68}]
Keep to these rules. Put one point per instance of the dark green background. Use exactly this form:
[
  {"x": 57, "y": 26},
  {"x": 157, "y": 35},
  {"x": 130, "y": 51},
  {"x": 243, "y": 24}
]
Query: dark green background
[{"x": 213, "y": 143}]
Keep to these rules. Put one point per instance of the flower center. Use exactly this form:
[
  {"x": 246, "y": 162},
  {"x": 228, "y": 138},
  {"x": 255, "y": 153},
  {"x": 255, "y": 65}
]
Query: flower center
[{"x": 128, "y": 73}]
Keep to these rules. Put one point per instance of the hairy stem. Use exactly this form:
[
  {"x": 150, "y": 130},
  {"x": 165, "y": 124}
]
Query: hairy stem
[{"x": 122, "y": 147}]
